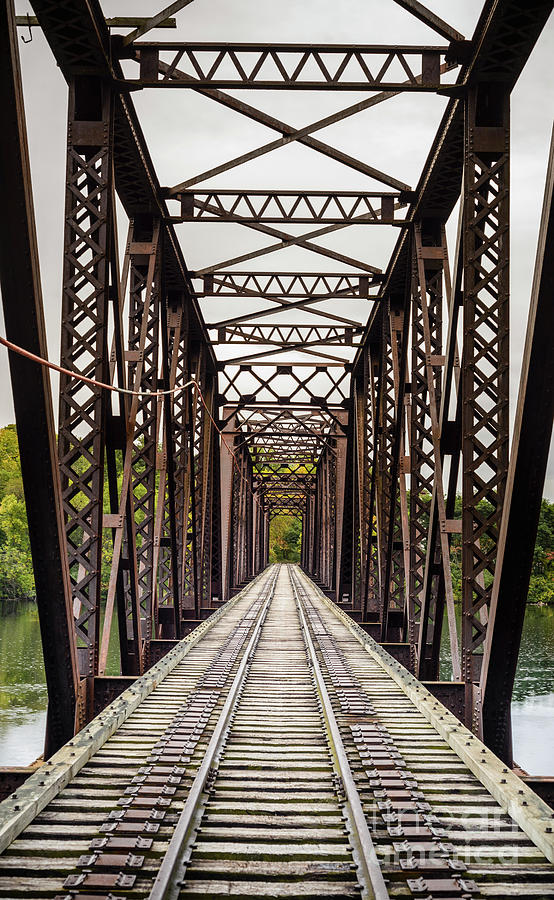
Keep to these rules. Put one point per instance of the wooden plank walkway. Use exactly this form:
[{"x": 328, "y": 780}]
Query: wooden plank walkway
[{"x": 276, "y": 752}]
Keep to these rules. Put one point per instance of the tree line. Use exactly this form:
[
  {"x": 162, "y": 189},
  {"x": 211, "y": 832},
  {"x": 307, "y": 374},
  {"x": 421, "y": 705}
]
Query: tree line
[{"x": 16, "y": 569}]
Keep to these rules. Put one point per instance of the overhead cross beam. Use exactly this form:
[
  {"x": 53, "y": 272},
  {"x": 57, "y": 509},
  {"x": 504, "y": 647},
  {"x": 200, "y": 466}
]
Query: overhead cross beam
[
  {"x": 111, "y": 22},
  {"x": 316, "y": 285},
  {"x": 283, "y": 335},
  {"x": 289, "y": 240},
  {"x": 303, "y": 135},
  {"x": 297, "y": 207},
  {"x": 291, "y": 66}
]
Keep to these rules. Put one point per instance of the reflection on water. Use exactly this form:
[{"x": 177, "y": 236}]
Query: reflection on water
[
  {"x": 22, "y": 689},
  {"x": 23, "y": 693},
  {"x": 533, "y": 698},
  {"x": 535, "y": 668}
]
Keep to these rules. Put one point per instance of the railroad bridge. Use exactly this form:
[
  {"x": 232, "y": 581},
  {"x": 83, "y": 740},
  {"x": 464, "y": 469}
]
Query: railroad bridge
[{"x": 277, "y": 730}]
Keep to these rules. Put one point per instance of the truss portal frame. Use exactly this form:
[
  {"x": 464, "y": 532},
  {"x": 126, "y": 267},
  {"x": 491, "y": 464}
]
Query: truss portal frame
[{"x": 358, "y": 423}]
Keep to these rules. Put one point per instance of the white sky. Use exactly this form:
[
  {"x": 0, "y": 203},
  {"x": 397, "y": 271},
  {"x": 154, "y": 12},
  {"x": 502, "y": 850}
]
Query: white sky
[{"x": 188, "y": 133}]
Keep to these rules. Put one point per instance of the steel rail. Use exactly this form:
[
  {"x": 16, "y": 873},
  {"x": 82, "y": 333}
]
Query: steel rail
[
  {"x": 169, "y": 877},
  {"x": 44, "y": 785},
  {"x": 516, "y": 799},
  {"x": 369, "y": 871}
]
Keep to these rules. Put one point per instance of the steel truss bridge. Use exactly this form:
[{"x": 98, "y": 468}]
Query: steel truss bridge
[{"x": 354, "y": 396}]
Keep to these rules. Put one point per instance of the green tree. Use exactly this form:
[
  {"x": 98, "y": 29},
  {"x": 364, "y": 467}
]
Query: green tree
[
  {"x": 16, "y": 566},
  {"x": 285, "y": 536},
  {"x": 10, "y": 466}
]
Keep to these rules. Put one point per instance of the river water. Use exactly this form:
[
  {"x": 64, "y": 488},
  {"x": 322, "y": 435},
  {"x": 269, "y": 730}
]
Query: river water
[{"x": 23, "y": 693}]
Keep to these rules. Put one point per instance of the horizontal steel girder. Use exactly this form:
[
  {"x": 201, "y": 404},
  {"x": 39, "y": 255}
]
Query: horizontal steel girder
[
  {"x": 323, "y": 286},
  {"x": 302, "y": 207},
  {"x": 291, "y": 66}
]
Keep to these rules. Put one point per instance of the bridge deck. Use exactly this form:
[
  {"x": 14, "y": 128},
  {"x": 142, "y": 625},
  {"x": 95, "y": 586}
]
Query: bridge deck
[{"x": 313, "y": 763}]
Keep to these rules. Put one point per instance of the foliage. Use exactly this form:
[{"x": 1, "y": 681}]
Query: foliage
[
  {"x": 16, "y": 568},
  {"x": 285, "y": 535},
  {"x": 10, "y": 467},
  {"x": 541, "y": 586}
]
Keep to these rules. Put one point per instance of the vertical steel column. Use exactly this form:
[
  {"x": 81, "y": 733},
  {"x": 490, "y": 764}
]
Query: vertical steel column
[
  {"x": 24, "y": 322},
  {"x": 441, "y": 511},
  {"x": 320, "y": 526},
  {"x": 329, "y": 522},
  {"x": 361, "y": 477},
  {"x": 169, "y": 528},
  {"x": 249, "y": 486},
  {"x": 192, "y": 500},
  {"x": 86, "y": 293},
  {"x": 143, "y": 359},
  {"x": 348, "y": 548},
  {"x": 226, "y": 472},
  {"x": 315, "y": 534},
  {"x": 393, "y": 538},
  {"x": 372, "y": 583},
  {"x": 216, "y": 573},
  {"x": 238, "y": 521},
  {"x": 429, "y": 547},
  {"x": 485, "y": 365},
  {"x": 528, "y": 460},
  {"x": 343, "y": 520},
  {"x": 133, "y": 502},
  {"x": 206, "y": 449}
]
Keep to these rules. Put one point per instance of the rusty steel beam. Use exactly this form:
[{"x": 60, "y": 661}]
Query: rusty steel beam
[
  {"x": 300, "y": 207},
  {"x": 291, "y": 134},
  {"x": 25, "y": 326},
  {"x": 290, "y": 66},
  {"x": 88, "y": 304},
  {"x": 281, "y": 335},
  {"x": 111, "y": 22},
  {"x": 429, "y": 569},
  {"x": 286, "y": 304},
  {"x": 286, "y": 239},
  {"x": 294, "y": 285},
  {"x": 495, "y": 50},
  {"x": 524, "y": 490},
  {"x": 136, "y": 181},
  {"x": 302, "y": 135},
  {"x": 485, "y": 366},
  {"x": 384, "y": 426}
]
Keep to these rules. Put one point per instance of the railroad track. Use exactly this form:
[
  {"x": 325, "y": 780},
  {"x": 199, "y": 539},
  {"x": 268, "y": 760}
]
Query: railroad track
[{"x": 279, "y": 753}]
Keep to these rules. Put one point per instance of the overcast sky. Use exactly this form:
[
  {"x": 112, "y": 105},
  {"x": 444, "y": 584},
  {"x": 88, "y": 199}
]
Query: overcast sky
[{"x": 188, "y": 133}]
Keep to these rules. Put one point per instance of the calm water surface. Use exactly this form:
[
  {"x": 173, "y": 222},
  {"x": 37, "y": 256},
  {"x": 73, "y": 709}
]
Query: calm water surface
[
  {"x": 23, "y": 693},
  {"x": 533, "y": 698}
]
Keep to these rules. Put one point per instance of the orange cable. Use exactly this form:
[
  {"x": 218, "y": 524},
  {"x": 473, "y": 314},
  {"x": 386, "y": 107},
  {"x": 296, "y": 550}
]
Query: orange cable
[{"x": 15, "y": 348}]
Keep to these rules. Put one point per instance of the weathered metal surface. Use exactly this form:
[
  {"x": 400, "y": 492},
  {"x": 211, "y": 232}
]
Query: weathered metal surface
[
  {"x": 289, "y": 66},
  {"x": 524, "y": 490},
  {"x": 25, "y": 326}
]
